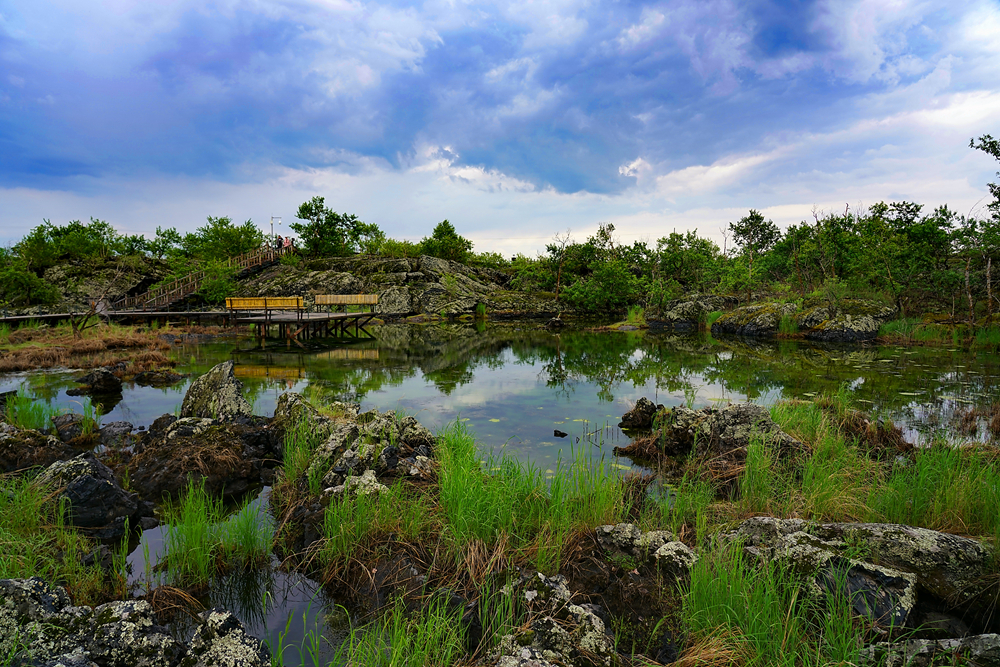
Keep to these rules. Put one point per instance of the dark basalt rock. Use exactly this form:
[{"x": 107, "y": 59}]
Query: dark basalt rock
[
  {"x": 98, "y": 382},
  {"x": 22, "y": 449},
  {"x": 116, "y": 434},
  {"x": 157, "y": 378},
  {"x": 758, "y": 319},
  {"x": 96, "y": 500},
  {"x": 641, "y": 416},
  {"x": 68, "y": 426}
]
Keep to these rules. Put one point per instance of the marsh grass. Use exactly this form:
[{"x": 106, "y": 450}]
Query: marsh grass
[
  {"x": 636, "y": 316},
  {"x": 760, "y": 610},
  {"x": 788, "y": 325},
  {"x": 431, "y": 637},
  {"x": 711, "y": 318},
  {"x": 203, "y": 541},
  {"x": 24, "y": 411},
  {"x": 34, "y": 541}
]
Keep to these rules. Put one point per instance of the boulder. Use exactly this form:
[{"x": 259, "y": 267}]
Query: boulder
[
  {"x": 640, "y": 417},
  {"x": 159, "y": 378},
  {"x": 395, "y": 301},
  {"x": 39, "y": 626},
  {"x": 658, "y": 548},
  {"x": 116, "y": 434},
  {"x": 23, "y": 449},
  {"x": 851, "y": 320},
  {"x": 887, "y": 568},
  {"x": 69, "y": 426},
  {"x": 978, "y": 650},
  {"x": 229, "y": 458},
  {"x": 687, "y": 313},
  {"x": 363, "y": 485},
  {"x": 293, "y": 412},
  {"x": 217, "y": 395},
  {"x": 559, "y": 631},
  {"x": 98, "y": 382},
  {"x": 758, "y": 319},
  {"x": 96, "y": 500}
]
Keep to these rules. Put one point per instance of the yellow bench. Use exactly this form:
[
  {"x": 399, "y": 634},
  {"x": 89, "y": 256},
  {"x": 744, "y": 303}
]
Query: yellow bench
[
  {"x": 345, "y": 300},
  {"x": 235, "y": 304}
]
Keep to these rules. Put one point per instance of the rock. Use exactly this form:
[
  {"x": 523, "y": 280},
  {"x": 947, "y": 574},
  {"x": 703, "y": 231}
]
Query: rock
[
  {"x": 38, "y": 626},
  {"x": 889, "y": 568},
  {"x": 293, "y": 411},
  {"x": 559, "y": 434},
  {"x": 395, "y": 301},
  {"x": 658, "y": 548},
  {"x": 641, "y": 416},
  {"x": 559, "y": 632},
  {"x": 157, "y": 378},
  {"x": 422, "y": 468},
  {"x": 69, "y": 426},
  {"x": 555, "y": 324},
  {"x": 342, "y": 437},
  {"x": 687, "y": 313},
  {"x": 758, "y": 319},
  {"x": 353, "y": 462},
  {"x": 98, "y": 382},
  {"x": 979, "y": 650},
  {"x": 95, "y": 498},
  {"x": 23, "y": 449},
  {"x": 364, "y": 485},
  {"x": 217, "y": 395},
  {"x": 228, "y": 458},
  {"x": 221, "y": 641},
  {"x": 116, "y": 434},
  {"x": 852, "y": 320},
  {"x": 721, "y": 436}
]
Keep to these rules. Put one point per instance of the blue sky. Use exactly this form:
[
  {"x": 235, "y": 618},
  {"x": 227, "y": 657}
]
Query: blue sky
[{"x": 514, "y": 120}]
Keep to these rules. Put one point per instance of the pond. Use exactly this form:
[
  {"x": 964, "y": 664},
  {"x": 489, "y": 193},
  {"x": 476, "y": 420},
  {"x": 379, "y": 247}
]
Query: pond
[{"x": 515, "y": 384}]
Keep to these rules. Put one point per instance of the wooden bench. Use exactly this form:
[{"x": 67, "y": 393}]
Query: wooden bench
[
  {"x": 265, "y": 304},
  {"x": 345, "y": 300}
]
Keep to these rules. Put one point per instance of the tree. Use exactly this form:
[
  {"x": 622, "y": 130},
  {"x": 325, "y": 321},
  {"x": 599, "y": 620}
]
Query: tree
[
  {"x": 326, "y": 233},
  {"x": 990, "y": 146},
  {"x": 557, "y": 250},
  {"x": 754, "y": 235},
  {"x": 446, "y": 243},
  {"x": 220, "y": 239}
]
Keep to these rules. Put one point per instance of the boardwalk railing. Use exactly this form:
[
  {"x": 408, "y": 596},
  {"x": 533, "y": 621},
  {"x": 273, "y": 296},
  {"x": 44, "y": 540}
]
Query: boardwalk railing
[
  {"x": 165, "y": 295},
  {"x": 345, "y": 300}
]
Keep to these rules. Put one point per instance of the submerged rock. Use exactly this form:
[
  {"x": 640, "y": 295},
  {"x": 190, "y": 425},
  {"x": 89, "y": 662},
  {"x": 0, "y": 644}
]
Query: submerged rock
[
  {"x": 758, "y": 319},
  {"x": 98, "y": 382},
  {"x": 217, "y": 394},
  {"x": 978, "y": 650},
  {"x": 39, "y": 626},
  {"x": 157, "y": 378},
  {"x": 641, "y": 416}
]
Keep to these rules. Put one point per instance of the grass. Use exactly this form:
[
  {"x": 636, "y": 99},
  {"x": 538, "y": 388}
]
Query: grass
[
  {"x": 788, "y": 326},
  {"x": 760, "y": 614},
  {"x": 636, "y": 316},
  {"x": 34, "y": 541},
  {"x": 23, "y": 411},
  {"x": 202, "y": 541},
  {"x": 711, "y": 318}
]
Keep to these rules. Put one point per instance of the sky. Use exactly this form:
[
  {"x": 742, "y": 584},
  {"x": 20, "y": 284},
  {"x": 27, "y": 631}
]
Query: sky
[{"x": 515, "y": 120}]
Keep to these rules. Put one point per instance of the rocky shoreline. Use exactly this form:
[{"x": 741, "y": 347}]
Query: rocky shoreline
[{"x": 921, "y": 593}]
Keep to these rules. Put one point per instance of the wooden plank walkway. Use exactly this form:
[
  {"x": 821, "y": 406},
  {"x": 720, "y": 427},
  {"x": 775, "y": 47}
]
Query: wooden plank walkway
[{"x": 297, "y": 326}]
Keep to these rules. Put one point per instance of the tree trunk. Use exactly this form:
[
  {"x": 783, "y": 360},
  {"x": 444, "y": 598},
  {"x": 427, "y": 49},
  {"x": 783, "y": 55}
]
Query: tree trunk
[
  {"x": 989, "y": 289},
  {"x": 968, "y": 291}
]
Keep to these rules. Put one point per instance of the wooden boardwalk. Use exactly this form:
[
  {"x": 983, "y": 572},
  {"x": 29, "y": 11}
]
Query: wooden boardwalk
[{"x": 298, "y": 326}]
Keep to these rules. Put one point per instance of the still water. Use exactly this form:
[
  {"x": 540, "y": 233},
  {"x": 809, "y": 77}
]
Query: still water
[{"x": 515, "y": 384}]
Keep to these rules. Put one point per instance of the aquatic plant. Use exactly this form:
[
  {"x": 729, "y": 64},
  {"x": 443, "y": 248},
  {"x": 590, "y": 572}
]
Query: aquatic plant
[{"x": 23, "y": 411}]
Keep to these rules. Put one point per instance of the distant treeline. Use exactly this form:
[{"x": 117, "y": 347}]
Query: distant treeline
[{"x": 894, "y": 252}]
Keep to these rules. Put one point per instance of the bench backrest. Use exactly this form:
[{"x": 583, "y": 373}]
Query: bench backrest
[
  {"x": 347, "y": 299},
  {"x": 264, "y": 303}
]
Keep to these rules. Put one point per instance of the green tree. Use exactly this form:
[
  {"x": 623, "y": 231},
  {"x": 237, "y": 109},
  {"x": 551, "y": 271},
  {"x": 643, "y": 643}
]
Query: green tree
[
  {"x": 446, "y": 243},
  {"x": 220, "y": 239},
  {"x": 754, "y": 235},
  {"x": 326, "y": 233}
]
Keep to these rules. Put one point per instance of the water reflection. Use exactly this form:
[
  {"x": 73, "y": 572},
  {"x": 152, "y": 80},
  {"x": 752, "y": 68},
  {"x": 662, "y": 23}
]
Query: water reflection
[{"x": 516, "y": 383}]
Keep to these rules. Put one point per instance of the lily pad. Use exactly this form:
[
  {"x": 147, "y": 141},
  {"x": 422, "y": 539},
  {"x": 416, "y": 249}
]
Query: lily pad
[{"x": 494, "y": 420}]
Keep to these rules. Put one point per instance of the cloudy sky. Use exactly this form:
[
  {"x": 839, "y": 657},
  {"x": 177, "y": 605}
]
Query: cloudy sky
[{"x": 513, "y": 119}]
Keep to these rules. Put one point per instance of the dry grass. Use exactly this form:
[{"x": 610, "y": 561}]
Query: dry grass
[
  {"x": 50, "y": 347},
  {"x": 723, "y": 647},
  {"x": 168, "y": 601}
]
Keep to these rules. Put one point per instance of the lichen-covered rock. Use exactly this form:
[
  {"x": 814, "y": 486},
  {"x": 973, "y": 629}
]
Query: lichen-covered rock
[
  {"x": 686, "y": 313},
  {"x": 675, "y": 559},
  {"x": 656, "y": 547},
  {"x": 221, "y": 641},
  {"x": 560, "y": 632},
  {"x": 885, "y": 566},
  {"x": 758, "y": 319},
  {"x": 341, "y": 437},
  {"x": 641, "y": 416},
  {"x": 362, "y": 485},
  {"x": 293, "y": 412},
  {"x": 116, "y": 434},
  {"x": 851, "y": 320},
  {"x": 217, "y": 394},
  {"x": 977, "y": 650},
  {"x": 395, "y": 300},
  {"x": 38, "y": 626}
]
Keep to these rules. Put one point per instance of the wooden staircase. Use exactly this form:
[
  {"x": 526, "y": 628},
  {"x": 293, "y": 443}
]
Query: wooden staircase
[{"x": 164, "y": 296}]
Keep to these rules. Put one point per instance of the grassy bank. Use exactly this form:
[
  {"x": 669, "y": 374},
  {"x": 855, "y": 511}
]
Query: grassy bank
[{"x": 917, "y": 331}]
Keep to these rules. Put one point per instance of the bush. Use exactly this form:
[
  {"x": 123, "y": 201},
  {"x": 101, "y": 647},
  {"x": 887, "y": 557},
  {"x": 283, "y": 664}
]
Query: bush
[
  {"x": 611, "y": 288},
  {"x": 445, "y": 243}
]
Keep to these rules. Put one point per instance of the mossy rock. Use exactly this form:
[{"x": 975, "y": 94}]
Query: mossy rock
[{"x": 757, "y": 319}]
